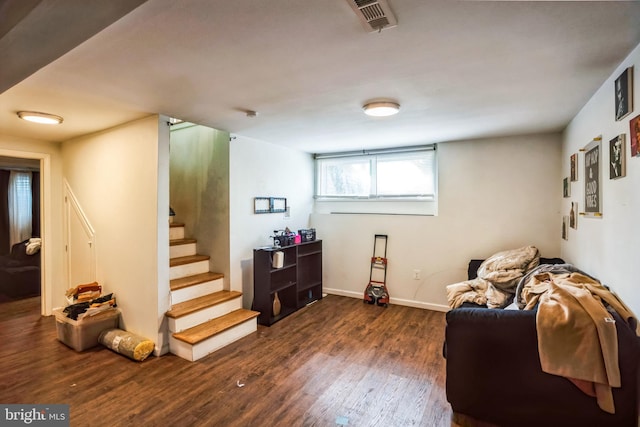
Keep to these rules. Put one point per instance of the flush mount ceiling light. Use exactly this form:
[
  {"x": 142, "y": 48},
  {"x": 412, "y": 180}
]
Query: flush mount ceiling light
[
  {"x": 36, "y": 117},
  {"x": 381, "y": 108}
]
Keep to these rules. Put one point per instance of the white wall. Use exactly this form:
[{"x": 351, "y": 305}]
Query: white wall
[
  {"x": 262, "y": 169},
  {"x": 200, "y": 190},
  {"x": 52, "y": 211},
  {"x": 120, "y": 178},
  {"x": 607, "y": 247},
  {"x": 494, "y": 194}
]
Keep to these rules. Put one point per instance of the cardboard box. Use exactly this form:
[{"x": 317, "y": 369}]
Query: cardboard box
[{"x": 83, "y": 333}]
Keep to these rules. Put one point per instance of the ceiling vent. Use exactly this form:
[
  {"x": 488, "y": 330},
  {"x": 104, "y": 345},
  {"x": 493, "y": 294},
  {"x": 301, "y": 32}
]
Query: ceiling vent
[{"x": 375, "y": 15}]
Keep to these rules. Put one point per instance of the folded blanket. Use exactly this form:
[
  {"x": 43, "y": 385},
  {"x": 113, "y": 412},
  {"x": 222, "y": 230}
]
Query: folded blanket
[
  {"x": 504, "y": 269},
  {"x": 497, "y": 279},
  {"x": 33, "y": 245},
  {"x": 474, "y": 291}
]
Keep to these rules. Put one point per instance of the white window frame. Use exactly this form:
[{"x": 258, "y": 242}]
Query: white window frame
[{"x": 373, "y": 203}]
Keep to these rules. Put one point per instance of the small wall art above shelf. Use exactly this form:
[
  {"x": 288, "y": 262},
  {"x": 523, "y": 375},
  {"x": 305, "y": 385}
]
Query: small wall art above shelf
[{"x": 263, "y": 205}]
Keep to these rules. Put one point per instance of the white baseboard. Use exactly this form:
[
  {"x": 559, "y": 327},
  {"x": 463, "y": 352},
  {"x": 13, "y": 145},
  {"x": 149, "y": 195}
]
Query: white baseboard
[
  {"x": 397, "y": 301},
  {"x": 420, "y": 304},
  {"x": 159, "y": 351}
]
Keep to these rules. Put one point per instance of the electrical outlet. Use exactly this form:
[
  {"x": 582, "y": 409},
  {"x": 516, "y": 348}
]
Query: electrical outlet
[{"x": 416, "y": 274}]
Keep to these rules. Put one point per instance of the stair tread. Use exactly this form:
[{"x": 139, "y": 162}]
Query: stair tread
[
  {"x": 176, "y": 242},
  {"x": 196, "y": 279},
  {"x": 215, "y": 326},
  {"x": 191, "y": 306},
  {"x": 173, "y": 262},
  {"x": 176, "y": 224}
]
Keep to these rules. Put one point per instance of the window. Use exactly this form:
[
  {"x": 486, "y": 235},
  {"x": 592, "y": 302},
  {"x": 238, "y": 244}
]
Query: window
[
  {"x": 19, "y": 206},
  {"x": 343, "y": 177},
  {"x": 399, "y": 173},
  {"x": 370, "y": 178}
]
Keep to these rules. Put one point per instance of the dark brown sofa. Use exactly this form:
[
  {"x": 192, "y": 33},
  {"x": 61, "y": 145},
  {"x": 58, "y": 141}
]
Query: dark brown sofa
[
  {"x": 494, "y": 373},
  {"x": 19, "y": 273}
]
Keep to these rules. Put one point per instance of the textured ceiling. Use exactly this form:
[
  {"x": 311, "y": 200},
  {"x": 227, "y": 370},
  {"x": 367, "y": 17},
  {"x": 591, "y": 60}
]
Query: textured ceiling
[{"x": 460, "y": 69}]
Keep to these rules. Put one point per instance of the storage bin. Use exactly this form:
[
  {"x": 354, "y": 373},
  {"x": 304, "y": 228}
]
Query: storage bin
[
  {"x": 307, "y": 235},
  {"x": 83, "y": 333}
]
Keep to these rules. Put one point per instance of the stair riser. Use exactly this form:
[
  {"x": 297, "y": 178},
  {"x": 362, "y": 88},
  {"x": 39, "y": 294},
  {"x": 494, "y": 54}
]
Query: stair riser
[
  {"x": 176, "y": 233},
  {"x": 182, "y": 250},
  {"x": 180, "y": 271},
  {"x": 204, "y": 315},
  {"x": 216, "y": 342},
  {"x": 195, "y": 291}
]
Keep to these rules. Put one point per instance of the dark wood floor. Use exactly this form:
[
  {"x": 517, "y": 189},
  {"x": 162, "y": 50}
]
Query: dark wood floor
[{"x": 336, "y": 362}]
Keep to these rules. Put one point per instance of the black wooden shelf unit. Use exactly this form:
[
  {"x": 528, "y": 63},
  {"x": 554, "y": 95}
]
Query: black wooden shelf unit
[{"x": 297, "y": 283}]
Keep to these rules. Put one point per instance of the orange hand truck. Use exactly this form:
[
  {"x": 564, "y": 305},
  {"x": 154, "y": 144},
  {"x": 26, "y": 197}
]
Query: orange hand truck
[{"x": 376, "y": 291}]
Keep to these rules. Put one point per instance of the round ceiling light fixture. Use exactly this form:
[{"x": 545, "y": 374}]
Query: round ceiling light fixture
[
  {"x": 37, "y": 117},
  {"x": 381, "y": 108}
]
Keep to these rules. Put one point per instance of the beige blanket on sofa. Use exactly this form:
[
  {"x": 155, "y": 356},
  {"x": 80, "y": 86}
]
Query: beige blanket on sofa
[
  {"x": 577, "y": 337},
  {"x": 497, "y": 279}
]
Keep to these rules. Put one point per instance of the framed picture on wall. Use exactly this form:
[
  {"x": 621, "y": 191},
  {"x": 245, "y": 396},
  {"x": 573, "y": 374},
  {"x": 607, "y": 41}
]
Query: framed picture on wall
[
  {"x": 261, "y": 205},
  {"x": 565, "y": 227},
  {"x": 574, "y": 167},
  {"x": 593, "y": 178},
  {"x": 566, "y": 188},
  {"x": 573, "y": 216},
  {"x": 617, "y": 154},
  {"x": 624, "y": 94},
  {"x": 634, "y": 124}
]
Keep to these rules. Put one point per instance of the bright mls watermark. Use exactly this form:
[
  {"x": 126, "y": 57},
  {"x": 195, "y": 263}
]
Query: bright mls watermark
[{"x": 34, "y": 415}]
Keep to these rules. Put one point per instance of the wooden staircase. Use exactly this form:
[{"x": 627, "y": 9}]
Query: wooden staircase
[{"x": 204, "y": 317}]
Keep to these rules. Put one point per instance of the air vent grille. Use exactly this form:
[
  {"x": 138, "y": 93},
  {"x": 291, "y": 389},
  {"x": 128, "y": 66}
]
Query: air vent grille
[
  {"x": 375, "y": 15},
  {"x": 361, "y": 3},
  {"x": 372, "y": 13}
]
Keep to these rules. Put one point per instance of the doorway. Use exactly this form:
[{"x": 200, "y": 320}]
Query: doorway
[
  {"x": 40, "y": 162},
  {"x": 19, "y": 228}
]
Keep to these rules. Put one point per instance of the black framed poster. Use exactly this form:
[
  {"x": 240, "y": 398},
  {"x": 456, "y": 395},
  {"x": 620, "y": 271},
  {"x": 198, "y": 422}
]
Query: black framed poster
[
  {"x": 593, "y": 178},
  {"x": 617, "y": 157},
  {"x": 574, "y": 167},
  {"x": 624, "y": 94}
]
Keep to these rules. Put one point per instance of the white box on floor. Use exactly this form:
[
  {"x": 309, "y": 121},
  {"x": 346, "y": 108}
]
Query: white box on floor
[{"x": 83, "y": 334}]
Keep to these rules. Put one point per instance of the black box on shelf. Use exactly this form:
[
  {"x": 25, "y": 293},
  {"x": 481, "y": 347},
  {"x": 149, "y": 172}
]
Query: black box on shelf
[
  {"x": 284, "y": 240},
  {"x": 307, "y": 235}
]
